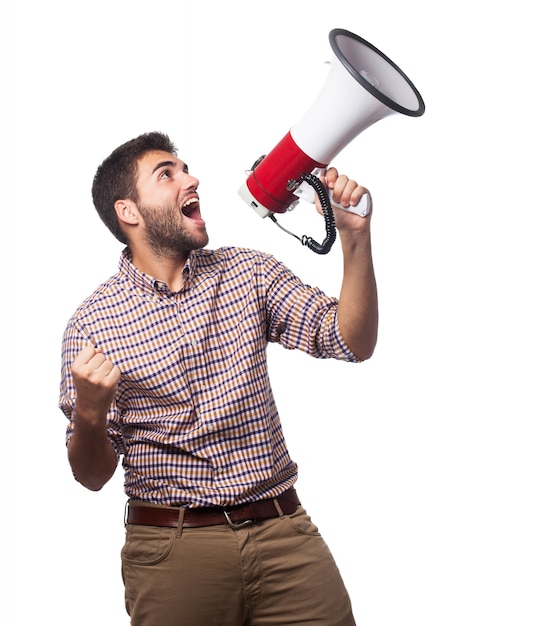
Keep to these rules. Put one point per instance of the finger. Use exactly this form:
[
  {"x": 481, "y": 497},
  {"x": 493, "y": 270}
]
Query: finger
[
  {"x": 342, "y": 190},
  {"x": 85, "y": 354},
  {"x": 104, "y": 369},
  {"x": 349, "y": 193},
  {"x": 330, "y": 177},
  {"x": 90, "y": 362},
  {"x": 98, "y": 360},
  {"x": 357, "y": 194}
]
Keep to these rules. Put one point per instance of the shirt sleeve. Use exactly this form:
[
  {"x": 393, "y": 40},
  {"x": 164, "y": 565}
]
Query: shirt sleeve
[
  {"x": 74, "y": 340},
  {"x": 302, "y": 317}
]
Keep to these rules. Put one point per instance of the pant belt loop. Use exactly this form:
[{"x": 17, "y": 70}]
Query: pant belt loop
[
  {"x": 278, "y": 507},
  {"x": 181, "y": 516}
]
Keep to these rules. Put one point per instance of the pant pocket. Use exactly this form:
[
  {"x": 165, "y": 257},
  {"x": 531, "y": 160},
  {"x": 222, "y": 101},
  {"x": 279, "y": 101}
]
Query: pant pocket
[{"x": 147, "y": 545}]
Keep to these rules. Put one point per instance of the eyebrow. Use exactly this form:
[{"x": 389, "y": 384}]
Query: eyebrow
[
  {"x": 169, "y": 164},
  {"x": 163, "y": 164}
]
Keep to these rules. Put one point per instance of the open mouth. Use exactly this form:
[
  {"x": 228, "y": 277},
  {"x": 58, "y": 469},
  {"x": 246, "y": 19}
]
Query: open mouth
[{"x": 191, "y": 208}]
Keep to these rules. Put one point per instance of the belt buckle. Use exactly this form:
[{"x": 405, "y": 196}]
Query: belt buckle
[{"x": 235, "y": 525}]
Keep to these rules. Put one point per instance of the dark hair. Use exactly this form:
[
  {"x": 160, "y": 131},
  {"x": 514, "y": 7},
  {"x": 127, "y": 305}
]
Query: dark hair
[{"x": 116, "y": 177}]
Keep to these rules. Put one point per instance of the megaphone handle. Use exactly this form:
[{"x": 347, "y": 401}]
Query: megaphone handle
[
  {"x": 361, "y": 208},
  {"x": 307, "y": 193}
]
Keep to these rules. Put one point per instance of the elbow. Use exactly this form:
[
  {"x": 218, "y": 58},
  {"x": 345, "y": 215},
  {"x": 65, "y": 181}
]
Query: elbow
[
  {"x": 363, "y": 355},
  {"x": 90, "y": 474},
  {"x": 364, "y": 349},
  {"x": 92, "y": 483},
  {"x": 92, "y": 466},
  {"x": 360, "y": 335}
]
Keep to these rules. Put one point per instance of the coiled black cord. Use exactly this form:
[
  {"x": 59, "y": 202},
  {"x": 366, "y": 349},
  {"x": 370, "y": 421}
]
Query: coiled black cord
[{"x": 329, "y": 218}]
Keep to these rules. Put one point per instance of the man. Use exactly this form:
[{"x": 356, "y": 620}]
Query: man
[{"x": 165, "y": 366}]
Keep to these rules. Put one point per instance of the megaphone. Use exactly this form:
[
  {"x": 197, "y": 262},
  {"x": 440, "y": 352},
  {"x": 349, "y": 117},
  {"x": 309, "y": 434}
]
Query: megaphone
[{"x": 362, "y": 87}]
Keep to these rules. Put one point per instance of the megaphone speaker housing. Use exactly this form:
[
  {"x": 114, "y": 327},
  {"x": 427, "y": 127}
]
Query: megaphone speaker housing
[{"x": 362, "y": 87}]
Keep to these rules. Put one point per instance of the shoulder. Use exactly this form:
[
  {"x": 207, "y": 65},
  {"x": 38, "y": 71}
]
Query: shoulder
[
  {"x": 101, "y": 298},
  {"x": 240, "y": 266},
  {"x": 231, "y": 258},
  {"x": 231, "y": 254}
]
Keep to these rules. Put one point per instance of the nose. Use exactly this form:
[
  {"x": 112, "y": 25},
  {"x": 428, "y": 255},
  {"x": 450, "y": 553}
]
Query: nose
[{"x": 189, "y": 181}]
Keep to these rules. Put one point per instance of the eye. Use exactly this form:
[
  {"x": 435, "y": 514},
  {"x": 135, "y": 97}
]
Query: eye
[{"x": 165, "y": 174}]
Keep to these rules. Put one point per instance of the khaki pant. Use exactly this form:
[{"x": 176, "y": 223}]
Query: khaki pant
[{"x": 274, "y": 572}]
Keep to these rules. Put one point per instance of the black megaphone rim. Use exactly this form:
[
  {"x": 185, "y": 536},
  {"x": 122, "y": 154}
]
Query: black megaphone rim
[{"x": 365, "y": 84}]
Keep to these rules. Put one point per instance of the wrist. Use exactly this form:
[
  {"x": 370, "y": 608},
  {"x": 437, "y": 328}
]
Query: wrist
[
  {"x": 89, "y": 419},
  {"x": 355, "y": 241}
]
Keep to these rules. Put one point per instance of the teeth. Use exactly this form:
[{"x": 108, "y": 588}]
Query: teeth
[{"x": 188, "y": 204}]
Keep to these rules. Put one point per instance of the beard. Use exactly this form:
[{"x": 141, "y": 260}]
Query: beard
[{"x": 167, "y": 233}]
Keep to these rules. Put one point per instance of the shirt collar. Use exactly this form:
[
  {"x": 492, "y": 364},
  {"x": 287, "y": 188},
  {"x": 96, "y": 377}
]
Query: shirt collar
[{"x": 145, "y": 282}]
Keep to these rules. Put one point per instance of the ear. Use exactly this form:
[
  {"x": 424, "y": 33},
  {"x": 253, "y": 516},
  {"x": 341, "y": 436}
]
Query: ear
[{"x": 127, "y": 211}]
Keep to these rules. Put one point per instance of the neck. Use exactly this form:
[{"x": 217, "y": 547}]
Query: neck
[{"x": 164, "y": 268}]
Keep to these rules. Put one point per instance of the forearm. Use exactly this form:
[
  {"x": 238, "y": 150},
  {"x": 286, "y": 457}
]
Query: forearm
[
  {"x": 91, "y": 455},
  {"x": 358, "y": 300}
]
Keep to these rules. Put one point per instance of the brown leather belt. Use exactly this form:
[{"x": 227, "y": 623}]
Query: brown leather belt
[{"x": 235, "y": 516}]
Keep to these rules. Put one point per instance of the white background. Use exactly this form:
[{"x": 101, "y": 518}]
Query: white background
[{"x": 416, "y": 465}]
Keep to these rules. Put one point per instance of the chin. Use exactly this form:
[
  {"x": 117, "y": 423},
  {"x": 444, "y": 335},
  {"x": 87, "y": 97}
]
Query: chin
[{"x": 199, "y": 243}]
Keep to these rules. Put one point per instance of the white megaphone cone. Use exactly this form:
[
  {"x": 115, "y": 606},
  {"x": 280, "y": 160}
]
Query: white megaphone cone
[{"x": 362, "y": 87}]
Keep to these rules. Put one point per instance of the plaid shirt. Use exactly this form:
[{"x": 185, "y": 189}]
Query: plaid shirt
[{"x": 194, "y": 416}]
